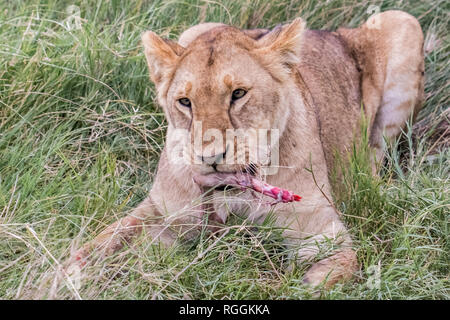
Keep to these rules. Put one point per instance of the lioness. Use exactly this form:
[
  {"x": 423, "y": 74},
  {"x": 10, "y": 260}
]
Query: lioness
[{"x": 306, "y": 85}]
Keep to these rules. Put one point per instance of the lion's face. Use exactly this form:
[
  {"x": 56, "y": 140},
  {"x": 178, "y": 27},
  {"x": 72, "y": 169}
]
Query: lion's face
[{"x": 225, "y": 86}]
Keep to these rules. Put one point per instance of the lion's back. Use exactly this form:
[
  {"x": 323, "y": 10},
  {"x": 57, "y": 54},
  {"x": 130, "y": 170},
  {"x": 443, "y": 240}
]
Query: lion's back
[{"x": 331, "y": 76}]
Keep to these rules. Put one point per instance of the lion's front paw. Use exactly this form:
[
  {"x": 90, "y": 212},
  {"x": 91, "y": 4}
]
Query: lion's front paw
[
  {"x": 318, "y": 275},
  {"x": 329, "y": 271}
]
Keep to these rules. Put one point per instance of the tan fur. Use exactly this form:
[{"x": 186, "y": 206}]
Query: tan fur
[
  {"x": 309, "y": 85},
  {"x": 389, "y": 51}
]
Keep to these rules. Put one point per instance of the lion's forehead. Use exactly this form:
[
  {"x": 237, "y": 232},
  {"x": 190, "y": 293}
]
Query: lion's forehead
[
  {"x": 211, "y": 88},
  {"x": 198, "y": 75}
]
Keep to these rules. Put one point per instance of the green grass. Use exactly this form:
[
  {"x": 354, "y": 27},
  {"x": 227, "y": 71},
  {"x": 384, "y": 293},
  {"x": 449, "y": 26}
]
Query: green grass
[{"x": 80, "y": 137}]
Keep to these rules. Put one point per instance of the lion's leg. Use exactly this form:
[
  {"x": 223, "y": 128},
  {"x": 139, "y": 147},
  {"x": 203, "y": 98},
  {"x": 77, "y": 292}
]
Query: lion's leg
[
  {"x": 400, "y": 102},
  {"x": 389, "y": 50},
  {"x": 322, "y": 233},
  {"x": 336, "y": 268},
  {"x": 401, "y": 42},
  {"x": 402, "y": 99},
  {"x": 397, "y": 53},
  {"x": 124, "y": 230}
]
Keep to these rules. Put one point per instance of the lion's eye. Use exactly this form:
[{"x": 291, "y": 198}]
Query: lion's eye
[
  {"x": 238, "y": 93},
  {"x": 185, "y": 102}
]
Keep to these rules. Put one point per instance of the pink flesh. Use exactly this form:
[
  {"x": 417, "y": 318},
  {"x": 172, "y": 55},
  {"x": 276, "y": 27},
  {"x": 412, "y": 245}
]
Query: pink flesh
[{"x": 245, "y": 181}]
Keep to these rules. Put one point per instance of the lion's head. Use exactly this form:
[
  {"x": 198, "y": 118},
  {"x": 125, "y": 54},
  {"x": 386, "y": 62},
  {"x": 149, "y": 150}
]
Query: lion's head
[{"x": 225, "y": 80}]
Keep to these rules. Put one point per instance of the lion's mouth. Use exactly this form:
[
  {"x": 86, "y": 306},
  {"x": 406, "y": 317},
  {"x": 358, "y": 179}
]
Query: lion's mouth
[
  {"x": 220, "y": 180},
  {"x": 244, "y": 180}
]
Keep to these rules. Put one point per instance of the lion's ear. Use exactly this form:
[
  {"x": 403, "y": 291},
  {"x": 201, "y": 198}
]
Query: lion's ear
[
  {"x": 280, "y": 48},
  {"x": 161, "y": 55}
]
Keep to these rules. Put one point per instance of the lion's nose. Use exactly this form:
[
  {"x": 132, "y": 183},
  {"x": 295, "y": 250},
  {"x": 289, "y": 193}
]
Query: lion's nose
[{"x": 213, "y": 160}]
